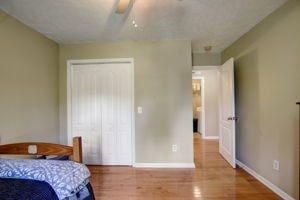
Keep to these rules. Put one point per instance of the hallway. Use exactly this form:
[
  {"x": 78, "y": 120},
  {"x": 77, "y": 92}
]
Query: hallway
[{"x": 206, "y": 153}]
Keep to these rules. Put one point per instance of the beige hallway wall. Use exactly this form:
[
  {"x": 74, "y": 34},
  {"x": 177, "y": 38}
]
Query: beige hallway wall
[
  {"x": 206, "y": 59},
  {"x": 162, "y": 74},
  {"x": 267, "y": 88}
]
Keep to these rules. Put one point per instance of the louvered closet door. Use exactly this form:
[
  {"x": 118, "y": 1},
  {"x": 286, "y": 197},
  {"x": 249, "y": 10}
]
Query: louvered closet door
[{"x": 101, "y": 112}]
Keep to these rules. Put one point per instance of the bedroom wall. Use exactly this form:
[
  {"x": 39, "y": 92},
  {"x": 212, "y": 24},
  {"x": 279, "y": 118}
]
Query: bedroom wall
[
  {"x": 267, "y": 71},
  {"x": 28, "y": 84},
  {"x": 163, "y": 87}
]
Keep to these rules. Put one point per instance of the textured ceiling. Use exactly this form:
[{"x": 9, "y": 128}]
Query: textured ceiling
[{"x": 206, "y": 22}]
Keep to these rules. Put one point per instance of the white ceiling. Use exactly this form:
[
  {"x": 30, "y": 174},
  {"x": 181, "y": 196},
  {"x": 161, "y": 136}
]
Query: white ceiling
[{"x": 206, "y": 22}]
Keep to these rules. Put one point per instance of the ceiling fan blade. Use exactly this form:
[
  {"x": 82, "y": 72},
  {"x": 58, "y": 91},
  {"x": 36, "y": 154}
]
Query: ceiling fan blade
[{"x": 122, "y": 6}]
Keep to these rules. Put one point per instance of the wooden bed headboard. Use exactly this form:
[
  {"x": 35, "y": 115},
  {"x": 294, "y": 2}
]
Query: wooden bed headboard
[{"x": 40, "y": 148}]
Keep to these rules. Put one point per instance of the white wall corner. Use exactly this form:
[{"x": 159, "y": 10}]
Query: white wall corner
[
  {"x": 164, "y": 165},
  {"x": 264, "y": 181}
]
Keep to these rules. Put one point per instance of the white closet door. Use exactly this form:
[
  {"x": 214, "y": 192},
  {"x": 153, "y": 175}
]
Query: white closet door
[
  {"x": 108, "y": 99},
  {"x": 85, "y": 111}
]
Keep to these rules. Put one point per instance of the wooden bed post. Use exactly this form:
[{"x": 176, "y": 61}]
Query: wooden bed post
[{"x": 77, "y": 149}]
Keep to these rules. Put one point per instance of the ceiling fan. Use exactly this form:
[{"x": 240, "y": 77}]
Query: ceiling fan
[{"x": 122, "y": 6}]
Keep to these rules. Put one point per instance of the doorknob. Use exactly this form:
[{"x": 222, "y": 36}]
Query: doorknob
[{"x": 232, "y": 118}]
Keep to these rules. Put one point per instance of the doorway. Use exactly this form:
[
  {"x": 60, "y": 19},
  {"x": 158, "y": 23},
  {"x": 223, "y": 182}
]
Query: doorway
[
  {"x": 100, "y": 109},
  {"x": 198, "y": 103},
  {"x": 205, "y": 87},
  {"x": 219, "y": 107},
  {"x": 207, "y": 114}
]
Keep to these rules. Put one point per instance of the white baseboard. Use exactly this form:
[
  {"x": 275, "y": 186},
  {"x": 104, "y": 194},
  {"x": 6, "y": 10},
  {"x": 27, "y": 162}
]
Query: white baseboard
[
  {"x": 264, "y": 181},
  {"x": 164, "y": 165},
  {"x": 210, "y": 137}
]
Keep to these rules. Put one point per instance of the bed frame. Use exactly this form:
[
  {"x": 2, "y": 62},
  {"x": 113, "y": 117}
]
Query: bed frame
[{"x": 40, "y": 148}]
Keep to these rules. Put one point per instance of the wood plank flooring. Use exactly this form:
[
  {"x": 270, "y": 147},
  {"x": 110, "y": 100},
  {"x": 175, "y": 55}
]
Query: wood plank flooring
[{"x": 213, "y": 179}]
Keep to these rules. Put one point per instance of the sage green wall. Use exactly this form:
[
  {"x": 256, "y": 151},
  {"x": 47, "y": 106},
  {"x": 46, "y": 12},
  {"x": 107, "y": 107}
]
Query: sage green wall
[
  {"x": 267, "y": 71},
  {"x": 163, "y": 87},
  {"x": 28, "y": 84},
  {"x": 206, "y": 59}
]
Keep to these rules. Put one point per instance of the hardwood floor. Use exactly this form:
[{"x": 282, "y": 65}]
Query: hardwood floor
[{"x": 213, "y": 179}]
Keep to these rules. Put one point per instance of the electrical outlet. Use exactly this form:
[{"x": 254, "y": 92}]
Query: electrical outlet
[
  {"x": 140, "y": 110},
  {"x": 174, "y": 147},
  {"x": 276, "y": 165}
]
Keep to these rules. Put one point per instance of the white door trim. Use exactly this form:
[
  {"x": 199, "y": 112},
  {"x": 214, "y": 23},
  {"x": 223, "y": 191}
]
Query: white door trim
[{"x": 70, "y": 63}]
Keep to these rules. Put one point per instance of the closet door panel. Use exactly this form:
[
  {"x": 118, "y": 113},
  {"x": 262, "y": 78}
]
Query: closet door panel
[
  {"x": 123, "y": 114},
  {"x": 108, "y": 116},
  {"x": 85, "y": 92}
]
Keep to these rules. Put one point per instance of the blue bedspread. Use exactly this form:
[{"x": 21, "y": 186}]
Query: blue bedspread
[
  {"x": 22, "y": 189},
  {"x": 65, "y": 177}
]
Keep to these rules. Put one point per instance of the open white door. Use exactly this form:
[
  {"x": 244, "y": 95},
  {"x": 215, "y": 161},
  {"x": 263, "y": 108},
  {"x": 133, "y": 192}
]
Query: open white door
[{"x": 227, "y": 112}]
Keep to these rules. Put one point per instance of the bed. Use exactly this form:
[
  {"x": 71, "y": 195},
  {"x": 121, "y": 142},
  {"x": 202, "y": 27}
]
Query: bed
[{"x": 43, "y": 179}]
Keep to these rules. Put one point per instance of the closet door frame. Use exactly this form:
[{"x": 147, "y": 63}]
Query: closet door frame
[{"x": 70, "y": 64}]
